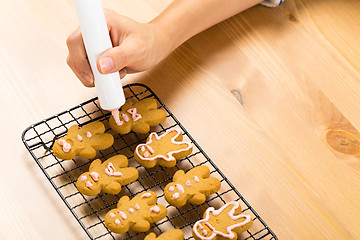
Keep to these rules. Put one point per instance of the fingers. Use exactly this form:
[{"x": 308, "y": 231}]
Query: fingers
[
  {"x": 77, "y": 59},
  {"x": 117, "y": 58}
]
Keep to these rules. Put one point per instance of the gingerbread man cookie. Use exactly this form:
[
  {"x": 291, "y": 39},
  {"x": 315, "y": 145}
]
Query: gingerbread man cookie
[
  {"x": 107, "y": 177},
  {"x": 163, "y": 150},
  {"x": 192, "y": 187},
  {"x": 138, "y": 117},
  {"x": 174, "y": 234},
  {"x": 83, "y": 142},
  {"x": 225, "y": 223},
  {"x": 136, "y": 214}
]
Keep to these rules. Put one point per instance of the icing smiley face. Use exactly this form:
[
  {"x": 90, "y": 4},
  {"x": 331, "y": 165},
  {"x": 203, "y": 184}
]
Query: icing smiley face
[
  {"x": 135, "y": 214},
  {"x": 107, "y": 177}
]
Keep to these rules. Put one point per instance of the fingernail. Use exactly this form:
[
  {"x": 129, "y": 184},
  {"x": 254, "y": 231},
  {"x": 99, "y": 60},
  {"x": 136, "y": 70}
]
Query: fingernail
[
  {"x": 87, "y": 77},
  {"x": 122, "y": 73},
  {"x": 106, "y": 64}
]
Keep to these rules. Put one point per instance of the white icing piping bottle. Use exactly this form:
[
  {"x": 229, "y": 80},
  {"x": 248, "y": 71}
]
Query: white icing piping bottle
[{"x": 97, "y": 40}]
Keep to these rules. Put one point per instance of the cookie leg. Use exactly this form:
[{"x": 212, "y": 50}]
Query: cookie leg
[
  {"x": 112, "y": 188},
  {"x": 197, "y": 199},
  {"x": 141, "y": 225}
]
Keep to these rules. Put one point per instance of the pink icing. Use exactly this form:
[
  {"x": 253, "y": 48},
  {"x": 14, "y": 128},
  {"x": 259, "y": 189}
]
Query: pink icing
[
  {"x": 95, "y": 176},
  {"x": 205, "y": 232},
  {"x": 135, "y": 116},
  {"x": 137, "y": 207},
  {"x": 79, "y": 138},
  {"x": 155, "y": 209},
  {"x": 112, "y": 215},
  {"x": 176, "y": 195},
  {"x": 130, "y": 210},
  {"x": 88, "y": 184},
  {"x": 171, "y": 189},
  {"x": 169, "y": 157},
  {"x": 229, "y": 234},
  {"x": 88, "y": 134},
  {"x": 142, "y": 149},
  {"x": 117, "y": 221},
  {"x": 196, "y": 179},
  {"x": 83, "y": 178},
  {"x": 125, "y": 117},
  {"x": 180, "y": 188},
  {"x": 150, "y": 149},
  {"x": 146, "y": 195},
  {"x": 188, "y": 183},
  {"x": 115, "y": 114},
  {"x": 61, "y": 142},
  {"x": 111, "y": 171},
  {"x": 66, "y": 147},
  {"x": 122, "y": 215},
  {"x": 146, "y": 154}
]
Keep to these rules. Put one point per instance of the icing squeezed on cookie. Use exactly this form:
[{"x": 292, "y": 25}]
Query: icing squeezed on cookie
[{"x": 115, "y": 114}]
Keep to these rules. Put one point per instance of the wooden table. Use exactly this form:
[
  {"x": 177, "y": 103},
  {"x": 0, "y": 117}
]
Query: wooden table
[{"x": 279, "y": 89}]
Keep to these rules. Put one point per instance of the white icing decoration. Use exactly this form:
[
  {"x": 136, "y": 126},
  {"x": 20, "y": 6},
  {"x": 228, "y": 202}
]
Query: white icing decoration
[
  {"x": 146, "y": 195},
  {"x": 176, "y": 195},
  {"x": 170, "y": 154},
  {"x": 229, "y": 234},
  {"x": 111, "y": 171}
]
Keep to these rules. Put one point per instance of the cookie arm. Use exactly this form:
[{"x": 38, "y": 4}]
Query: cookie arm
[
  {"x": 94, "y": 164},
  {"x": 178, "y": 175}
]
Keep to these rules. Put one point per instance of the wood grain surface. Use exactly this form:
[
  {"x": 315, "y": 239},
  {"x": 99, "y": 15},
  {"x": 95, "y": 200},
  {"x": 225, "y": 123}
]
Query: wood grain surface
[{"x": 279, "y": 89}]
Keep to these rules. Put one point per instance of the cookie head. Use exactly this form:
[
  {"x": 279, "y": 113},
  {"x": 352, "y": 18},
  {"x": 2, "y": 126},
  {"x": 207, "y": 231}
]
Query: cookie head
[
  {"x": 175, "y": 194},
  {"x": 66, "y": 147},
  {"x": 117, "y": 221},
  {"x": 88, "y": 183},
  {"x": 203, "y": 231}
]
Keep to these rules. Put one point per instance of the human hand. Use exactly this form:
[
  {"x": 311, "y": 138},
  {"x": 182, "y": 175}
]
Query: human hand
[{"x": 136, "y": 47}]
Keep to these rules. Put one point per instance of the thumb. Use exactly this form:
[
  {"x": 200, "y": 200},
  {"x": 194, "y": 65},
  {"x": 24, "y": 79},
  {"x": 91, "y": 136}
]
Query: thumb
[{"x": 113, "y": 60}]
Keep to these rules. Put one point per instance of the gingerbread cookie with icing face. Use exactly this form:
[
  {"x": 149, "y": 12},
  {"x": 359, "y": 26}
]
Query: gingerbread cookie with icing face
[
  {"x": 83, "y": 142},
  {"x": 136, "y": 214},
  {"x": 163, "y": 150},
  {"x": 225, "y": 223},
  {"x": 138, "y": 117},
  {"x": 174, "y": 234},
  {"x": 192, "y": 187},
  {"x": 107, "y": 177}
]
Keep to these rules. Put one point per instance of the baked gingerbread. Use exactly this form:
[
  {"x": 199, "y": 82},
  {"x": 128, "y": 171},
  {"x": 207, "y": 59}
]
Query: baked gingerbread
[
  {"x": 174, "y": 234},
  {"x": 192, "y": 187},
  {"x": 83, "y": 142},
  {"x": 225, "y": 223},
  {"x": 163, "y": 150},
  {"x": 136, "y": 214},
  {"x": 138, "y": 117},
  {"x": 107, "y": 177}
]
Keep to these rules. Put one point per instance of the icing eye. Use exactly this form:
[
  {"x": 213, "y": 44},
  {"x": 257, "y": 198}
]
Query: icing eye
[{"x": 83, "y": 178}]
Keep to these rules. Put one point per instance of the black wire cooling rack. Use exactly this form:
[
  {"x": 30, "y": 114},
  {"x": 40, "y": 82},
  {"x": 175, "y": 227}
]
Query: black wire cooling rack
[{"x": 90, "y": 211}]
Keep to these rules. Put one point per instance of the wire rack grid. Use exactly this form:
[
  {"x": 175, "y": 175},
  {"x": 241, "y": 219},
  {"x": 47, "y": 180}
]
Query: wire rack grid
[{"x": 90, "y": 211}]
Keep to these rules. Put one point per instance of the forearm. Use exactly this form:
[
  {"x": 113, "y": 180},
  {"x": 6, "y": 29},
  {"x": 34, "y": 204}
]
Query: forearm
[{"x": 183, "y": 19}]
